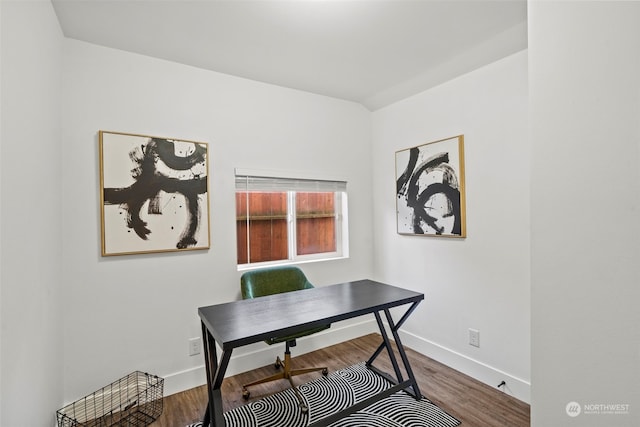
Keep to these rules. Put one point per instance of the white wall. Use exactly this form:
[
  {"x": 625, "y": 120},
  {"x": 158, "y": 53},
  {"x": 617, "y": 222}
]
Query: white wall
[
  {"x": 1, "y": 204},
  {"x": 31, "y": 304},
  {"x": 138, "y": 312},
  {"x": 480, "y": 282},
  {"x": 585, "y": 186}
]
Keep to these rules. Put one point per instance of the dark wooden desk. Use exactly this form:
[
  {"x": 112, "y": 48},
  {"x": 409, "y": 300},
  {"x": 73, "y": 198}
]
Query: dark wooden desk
[{"x": 239, "y": 323}]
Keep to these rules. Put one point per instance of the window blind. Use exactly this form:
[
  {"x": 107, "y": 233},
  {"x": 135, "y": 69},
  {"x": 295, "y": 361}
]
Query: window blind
[{"x": 261, "y": 183}]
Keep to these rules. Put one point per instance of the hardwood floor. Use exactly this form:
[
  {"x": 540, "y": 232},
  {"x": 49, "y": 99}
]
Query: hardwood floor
[{"x": 472, "y": 402}]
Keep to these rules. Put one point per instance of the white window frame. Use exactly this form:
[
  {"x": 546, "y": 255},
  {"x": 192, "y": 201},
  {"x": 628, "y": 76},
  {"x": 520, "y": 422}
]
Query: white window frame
[{"x": 247, "y": 180}]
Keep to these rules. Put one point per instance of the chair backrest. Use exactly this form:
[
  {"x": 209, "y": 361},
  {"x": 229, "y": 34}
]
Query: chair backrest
[{"x": 272, "y": 280}]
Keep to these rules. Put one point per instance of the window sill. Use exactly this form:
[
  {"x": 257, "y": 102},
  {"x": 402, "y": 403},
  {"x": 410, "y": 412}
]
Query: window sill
[{"x": 256, "y": 266}]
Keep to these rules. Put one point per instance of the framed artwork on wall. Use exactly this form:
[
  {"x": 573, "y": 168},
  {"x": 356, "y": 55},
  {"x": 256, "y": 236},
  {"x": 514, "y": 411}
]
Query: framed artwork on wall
[
  {"x": 154, "y": 194},
  {"x": 430, "y": 198}
]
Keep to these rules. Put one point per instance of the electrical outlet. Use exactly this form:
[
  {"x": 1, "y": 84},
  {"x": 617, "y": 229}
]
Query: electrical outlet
[
  {"x": 195, "y": 346},
  {"x": 474, "y": 337}
]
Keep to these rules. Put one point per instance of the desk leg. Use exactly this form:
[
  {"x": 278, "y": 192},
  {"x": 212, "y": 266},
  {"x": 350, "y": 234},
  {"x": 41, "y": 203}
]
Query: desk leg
[
  {"x": 403, "y": 355},
  {"x": 215, "y": 374},
  {"x": 386, "y": 344}
]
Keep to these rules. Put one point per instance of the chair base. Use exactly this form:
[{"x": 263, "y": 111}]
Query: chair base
[{"x": 288, "y": 374}]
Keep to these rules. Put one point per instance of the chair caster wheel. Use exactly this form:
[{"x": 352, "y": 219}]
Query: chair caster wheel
[
  {"x": 325, "y": 372},
  {"x": 304, "y": 409},
  {"x": 246, "y": 394}
]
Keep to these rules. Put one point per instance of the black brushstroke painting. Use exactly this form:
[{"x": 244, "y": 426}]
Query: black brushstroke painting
[
  {"x": 428, "y": 192},
  {"x": 176, "y": 176}
]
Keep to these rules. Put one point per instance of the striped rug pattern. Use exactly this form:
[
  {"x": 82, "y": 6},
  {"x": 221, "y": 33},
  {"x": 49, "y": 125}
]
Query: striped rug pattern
[{"x": 339, "y": 390}]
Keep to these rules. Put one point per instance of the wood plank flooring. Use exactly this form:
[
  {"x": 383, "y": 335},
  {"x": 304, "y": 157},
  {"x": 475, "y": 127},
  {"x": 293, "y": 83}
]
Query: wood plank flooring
[{"x": 472, "y": 402}]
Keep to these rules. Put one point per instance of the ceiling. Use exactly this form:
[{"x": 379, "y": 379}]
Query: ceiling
[{"x": 374, "y": 52}]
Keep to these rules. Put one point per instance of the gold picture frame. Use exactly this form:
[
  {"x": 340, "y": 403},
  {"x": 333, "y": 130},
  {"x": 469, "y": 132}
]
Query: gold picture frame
[
  {"x": 154, "y": 194},
  {"x": 430, "y": 192}
]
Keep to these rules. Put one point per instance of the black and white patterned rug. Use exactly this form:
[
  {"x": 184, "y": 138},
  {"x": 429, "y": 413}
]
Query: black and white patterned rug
[{"x": 339, "y": 390}]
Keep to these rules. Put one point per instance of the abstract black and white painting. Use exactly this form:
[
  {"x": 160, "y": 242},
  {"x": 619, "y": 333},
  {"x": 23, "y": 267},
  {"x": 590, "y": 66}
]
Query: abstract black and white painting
[
  {"x": 154, "y": 194},
  {"x": 430, "y": 189}
]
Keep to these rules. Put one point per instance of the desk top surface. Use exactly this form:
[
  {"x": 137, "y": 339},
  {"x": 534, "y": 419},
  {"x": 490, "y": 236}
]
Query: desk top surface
[{"x": 243, "y": 322}]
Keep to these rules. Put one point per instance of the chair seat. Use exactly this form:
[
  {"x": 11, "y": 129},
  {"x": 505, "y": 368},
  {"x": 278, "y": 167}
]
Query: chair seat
[{"x": 277, "y": 340}]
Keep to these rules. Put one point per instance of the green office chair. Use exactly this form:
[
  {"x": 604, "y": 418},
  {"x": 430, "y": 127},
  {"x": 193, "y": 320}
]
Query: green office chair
[{"x": 274, "y": 280}]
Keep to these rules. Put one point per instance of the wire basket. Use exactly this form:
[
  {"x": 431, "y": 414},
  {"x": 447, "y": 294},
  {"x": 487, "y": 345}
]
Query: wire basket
[{"x": 132, "y": 401}]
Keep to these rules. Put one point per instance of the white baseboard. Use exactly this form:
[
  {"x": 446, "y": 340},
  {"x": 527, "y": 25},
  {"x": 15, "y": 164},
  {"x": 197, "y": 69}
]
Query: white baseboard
[
  {"x": 516, "y": 387},
  {"x": 184, "y": 380},
  {"x": 263, "y": 354}
]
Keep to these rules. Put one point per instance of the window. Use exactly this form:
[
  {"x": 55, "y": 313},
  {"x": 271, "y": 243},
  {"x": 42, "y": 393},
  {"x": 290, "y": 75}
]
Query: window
[{"x": 283, "y": 220}]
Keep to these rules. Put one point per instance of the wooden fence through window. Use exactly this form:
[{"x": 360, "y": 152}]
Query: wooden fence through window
[{"x": 266, "y": 227}]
